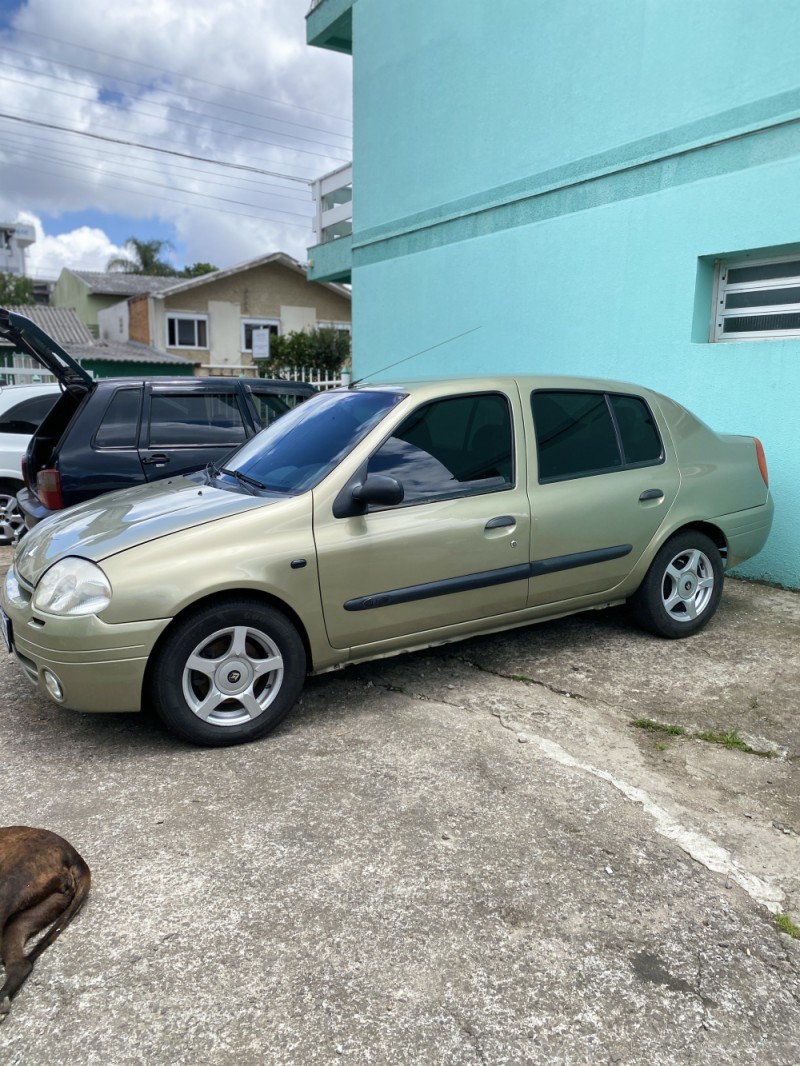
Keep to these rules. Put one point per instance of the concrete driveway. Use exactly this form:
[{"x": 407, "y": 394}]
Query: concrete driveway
[{"x": 464, "y": 856}]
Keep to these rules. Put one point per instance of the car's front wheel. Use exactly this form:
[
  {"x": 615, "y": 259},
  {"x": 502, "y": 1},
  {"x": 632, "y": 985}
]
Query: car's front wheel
[
  {"x": 227, "y": 674},
  {"x": 12, "y": 520},
  {"x": 682, "y": 588}
]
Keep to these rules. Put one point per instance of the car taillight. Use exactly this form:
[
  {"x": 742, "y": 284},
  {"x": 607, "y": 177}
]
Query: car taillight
[
  {"x": 48, "y": 489},
  {"x": 762, "y": 461},
  {"x": 25, "y": 473}
]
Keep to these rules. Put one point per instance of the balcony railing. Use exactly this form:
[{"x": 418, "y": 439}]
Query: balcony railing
[{"x": 333, "y": 198}]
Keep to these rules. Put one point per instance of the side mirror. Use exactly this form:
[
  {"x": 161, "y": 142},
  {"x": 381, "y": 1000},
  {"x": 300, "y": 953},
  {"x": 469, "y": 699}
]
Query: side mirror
[
  {"x": 378, "y": 489},
  {"x": 357, "y": 496}
]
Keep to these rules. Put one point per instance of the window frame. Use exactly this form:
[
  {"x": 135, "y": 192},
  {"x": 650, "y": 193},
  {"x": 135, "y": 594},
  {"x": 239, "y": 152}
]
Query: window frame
[
  {"x": 440, "y": 497},
  {"x": 187, "y": 316},
  {"x": 256, "y": 323},
  {"x": 606, "y": 394},
  {"x": 722, "y": 287}
]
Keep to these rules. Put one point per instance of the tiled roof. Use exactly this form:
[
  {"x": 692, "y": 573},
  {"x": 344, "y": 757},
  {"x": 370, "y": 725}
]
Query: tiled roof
[
  {"x": 118, "y": 283},
  {"x": 123, "y": 352},
  {"x": 60, "y": 323}
]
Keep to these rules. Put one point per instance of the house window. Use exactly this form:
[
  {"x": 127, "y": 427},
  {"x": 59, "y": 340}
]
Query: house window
[
  {"x": 757, "y": 298},
  {"x": 252, "y": 325},
  {"x": 187, "y": 331},
  {"x": 345, "y": 327}
]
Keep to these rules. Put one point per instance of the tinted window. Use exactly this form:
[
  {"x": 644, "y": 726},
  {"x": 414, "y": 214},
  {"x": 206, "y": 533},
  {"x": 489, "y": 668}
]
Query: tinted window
[
  {"x": 297, "y": 450},
  {"x": 574, "y": 434},
  {"x": 450, "y": 448},
  {"x": 120, "y": 425},
  {"x": 269, "y": 407},
  {"x": 637, "y": 429},
  {"x": 195, "y": 418},
  {"x": 25, "y": 417}
]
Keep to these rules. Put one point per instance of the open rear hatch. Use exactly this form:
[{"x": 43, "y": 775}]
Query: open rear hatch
[{"x": 33, "y": 340}]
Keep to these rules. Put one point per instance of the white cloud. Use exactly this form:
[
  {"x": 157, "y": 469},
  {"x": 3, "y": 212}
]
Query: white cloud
[
  {"x": 233, "y": 82},
  {"x": 85, "y": 248}
]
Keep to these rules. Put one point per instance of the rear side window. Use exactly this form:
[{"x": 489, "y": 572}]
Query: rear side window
[
  {"x": 25, "y": 417},
  {"x": 120, "y": 425},
  {"x": 196, "y": 419},
  {"x": 453, "y": 447},
  {"x": 269, "y": 407},
  {"x": 583, "y": 433}
]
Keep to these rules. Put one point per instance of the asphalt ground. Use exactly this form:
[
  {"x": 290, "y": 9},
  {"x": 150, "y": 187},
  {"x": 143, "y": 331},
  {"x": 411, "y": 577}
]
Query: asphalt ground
[{"x": 468, "y": 855}]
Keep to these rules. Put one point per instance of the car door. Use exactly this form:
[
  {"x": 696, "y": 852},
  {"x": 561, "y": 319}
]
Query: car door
[
  {"x": 602, "y": 482},
  {"x": 454, "y": 549},
  {"x": 183, "y": 429}
]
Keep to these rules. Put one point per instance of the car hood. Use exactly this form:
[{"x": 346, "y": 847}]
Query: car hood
[{"x": 120, "y": 520}]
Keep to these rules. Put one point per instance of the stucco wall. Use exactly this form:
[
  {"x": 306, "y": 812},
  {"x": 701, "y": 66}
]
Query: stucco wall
[
  {"x": 272, "y": 291},
  {"x": 566, "y": 189}
]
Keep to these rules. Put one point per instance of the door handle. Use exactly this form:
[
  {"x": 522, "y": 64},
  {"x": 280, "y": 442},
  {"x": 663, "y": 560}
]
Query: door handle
[
  {"x": 500, "y": 521},
  {"x": 651, "y": 494},
  {"x": 156, "y": 460}
]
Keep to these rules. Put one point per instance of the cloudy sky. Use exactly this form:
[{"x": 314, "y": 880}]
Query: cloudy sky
[{"x": 198, "y": 122}]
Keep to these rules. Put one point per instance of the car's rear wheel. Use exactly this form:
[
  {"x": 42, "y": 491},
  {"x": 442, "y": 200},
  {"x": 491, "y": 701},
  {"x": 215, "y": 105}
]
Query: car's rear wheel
[
  {"x": 227, "y": 674},
  {"x": 12, "y": 520},
  {"x": 682, "y": 588}
]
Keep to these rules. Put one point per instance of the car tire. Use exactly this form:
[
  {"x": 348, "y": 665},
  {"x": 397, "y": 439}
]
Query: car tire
[
  {"x": 12, "y": 520},
  {"x": 682, "y": 588},
  {"x": 227, "y": 674}
]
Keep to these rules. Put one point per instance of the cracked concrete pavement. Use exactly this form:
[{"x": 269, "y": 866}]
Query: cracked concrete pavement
[{"x": 467, "y": 855}]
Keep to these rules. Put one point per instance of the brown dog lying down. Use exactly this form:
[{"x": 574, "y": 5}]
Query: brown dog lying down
[{"x": 43, "y": 880}]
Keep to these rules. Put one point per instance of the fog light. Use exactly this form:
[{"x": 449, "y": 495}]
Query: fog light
[{"x": 53, "y": 686}]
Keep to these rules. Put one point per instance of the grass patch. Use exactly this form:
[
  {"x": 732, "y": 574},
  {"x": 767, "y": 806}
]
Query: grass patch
[
  {"x": 786, "y": 925},
  {"x": 659, "y": 727},
  {"x": 729, "y": 739}
]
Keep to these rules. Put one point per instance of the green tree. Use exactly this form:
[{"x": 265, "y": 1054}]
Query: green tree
[
  {"x": 15, "y": 291},
  {"x": 317, "y": 349},
  {"x": 144, "y": 257},
  {"x": 197, "y": 269}
]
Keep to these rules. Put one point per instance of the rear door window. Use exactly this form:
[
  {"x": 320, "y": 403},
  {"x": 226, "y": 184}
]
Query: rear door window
[
  {"x": 178, "y": 419},
  {"x": 583, "y": 433}
]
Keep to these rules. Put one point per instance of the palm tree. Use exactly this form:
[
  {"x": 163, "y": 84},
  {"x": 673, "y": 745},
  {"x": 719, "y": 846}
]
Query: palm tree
[{"x": 143, "y": 258}]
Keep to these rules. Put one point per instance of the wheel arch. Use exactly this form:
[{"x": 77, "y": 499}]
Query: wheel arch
[
  {"x": 219, "y": 599},
  {"x": 714, "y": 534}
]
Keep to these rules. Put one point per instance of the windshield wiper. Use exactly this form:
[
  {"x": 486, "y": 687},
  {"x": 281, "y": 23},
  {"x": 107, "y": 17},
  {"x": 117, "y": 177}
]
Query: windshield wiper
[{"x": 243, "y": 478}]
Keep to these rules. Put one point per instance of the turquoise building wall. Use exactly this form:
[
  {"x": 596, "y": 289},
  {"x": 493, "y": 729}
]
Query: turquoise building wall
[{"x": 560, "y": 178}]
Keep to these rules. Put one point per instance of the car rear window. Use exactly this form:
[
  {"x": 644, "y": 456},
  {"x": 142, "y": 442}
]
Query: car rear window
[{"x": 25, "y": 417}]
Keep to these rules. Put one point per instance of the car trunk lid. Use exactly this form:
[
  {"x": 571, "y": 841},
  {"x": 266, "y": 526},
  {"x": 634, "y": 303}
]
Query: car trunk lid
[{"x": 25, "y": 334}]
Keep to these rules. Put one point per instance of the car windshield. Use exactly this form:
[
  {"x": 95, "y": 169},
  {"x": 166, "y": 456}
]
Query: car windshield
[{"x": 299, "y": 448}]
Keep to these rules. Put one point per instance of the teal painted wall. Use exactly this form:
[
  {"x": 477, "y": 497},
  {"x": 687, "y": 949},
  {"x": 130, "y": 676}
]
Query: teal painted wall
[{"x": 563, "y": 176}]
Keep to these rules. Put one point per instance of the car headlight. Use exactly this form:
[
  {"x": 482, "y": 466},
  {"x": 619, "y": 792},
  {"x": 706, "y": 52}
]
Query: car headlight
[{"x": 73, "y": 586}]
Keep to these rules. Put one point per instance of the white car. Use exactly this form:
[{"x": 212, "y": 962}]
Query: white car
[{"x": 22, "y": 408}]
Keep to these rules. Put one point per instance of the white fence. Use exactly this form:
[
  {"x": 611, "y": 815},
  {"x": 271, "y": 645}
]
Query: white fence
[
  {"x": 25, "y": 371},
  {"x": 320, "y": 379}
]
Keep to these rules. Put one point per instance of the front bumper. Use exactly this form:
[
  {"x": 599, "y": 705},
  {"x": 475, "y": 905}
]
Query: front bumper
[{"x": 99, "y": 667}]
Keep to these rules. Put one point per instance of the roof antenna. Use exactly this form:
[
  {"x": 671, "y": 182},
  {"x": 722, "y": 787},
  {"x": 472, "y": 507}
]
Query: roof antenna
[{"x": 405, "y": 359}]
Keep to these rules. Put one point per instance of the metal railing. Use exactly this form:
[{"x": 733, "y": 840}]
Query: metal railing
[{"x": 333, "y": 199}]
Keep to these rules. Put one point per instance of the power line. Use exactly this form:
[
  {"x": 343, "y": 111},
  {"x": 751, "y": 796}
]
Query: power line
[
  {"x": 170, "y": 92},
  {"x": 192, "y": 125},
  {"x": 187, "y": 77},
  {"x": 17, "y": 142},
  {"x": 195, "y": 207},
  {"x": 151, "y": 148}
]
